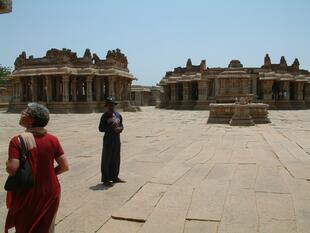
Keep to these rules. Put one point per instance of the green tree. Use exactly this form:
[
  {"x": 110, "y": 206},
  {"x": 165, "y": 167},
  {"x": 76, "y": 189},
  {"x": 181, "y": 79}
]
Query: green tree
[{"x": 4, "y": 72}]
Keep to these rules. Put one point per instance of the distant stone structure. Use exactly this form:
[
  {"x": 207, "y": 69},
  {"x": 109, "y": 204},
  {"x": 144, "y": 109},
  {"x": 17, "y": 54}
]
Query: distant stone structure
[
  {"x": 68, "y": 83},
  {"x": 5, "y": 6},
  {"x": 145, "y": 95},
  {"x": 195, "y": 87},
  {"x": 5, "y": 93},
  {"x": 240, "y": 113}
]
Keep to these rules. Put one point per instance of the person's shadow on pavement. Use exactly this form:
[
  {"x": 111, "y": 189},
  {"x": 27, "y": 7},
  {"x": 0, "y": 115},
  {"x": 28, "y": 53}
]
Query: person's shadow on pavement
[{"x": 99, "y": 187}]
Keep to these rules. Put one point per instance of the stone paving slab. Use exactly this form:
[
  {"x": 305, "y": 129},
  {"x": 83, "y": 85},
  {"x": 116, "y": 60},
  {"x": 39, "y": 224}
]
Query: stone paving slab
[
  {"x": 195, "y": 175},
  {"x": 181, "y": 173},
  {"x": 212, "y": 194},
  {"x": 239, "y": 214},
  {"x": 193, "y": 226},
  {"x": 275, "y": 206},
  {"x": 300, "y": 191},
  {"x": 141, "y": 205},
  {"x": 269, "y": 180},
  {"x": 171, "y": 173},
  {"x": 169, "y": 215},
  {"x": 278, "y": 226},
  {"x": 244, "y": 177}
]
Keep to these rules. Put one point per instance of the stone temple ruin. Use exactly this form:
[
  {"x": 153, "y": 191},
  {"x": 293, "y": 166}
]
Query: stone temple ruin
[
  {"x": 281, "y": 86},
  {"x": 68, "y": 83},
  {"x": 5, "y": 6}
]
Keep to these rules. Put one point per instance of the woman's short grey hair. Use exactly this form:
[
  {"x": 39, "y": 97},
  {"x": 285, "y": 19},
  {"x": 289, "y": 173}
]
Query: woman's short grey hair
[{"x": 39, "y": 113}]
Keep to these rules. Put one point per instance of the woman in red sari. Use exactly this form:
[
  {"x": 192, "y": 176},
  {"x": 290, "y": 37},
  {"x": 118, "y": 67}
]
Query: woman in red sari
[{"x": 34, "y": 210}]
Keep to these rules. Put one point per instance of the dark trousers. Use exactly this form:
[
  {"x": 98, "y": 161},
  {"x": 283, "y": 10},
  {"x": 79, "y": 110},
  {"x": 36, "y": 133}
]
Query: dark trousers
[{"x": 110, "y": 161}]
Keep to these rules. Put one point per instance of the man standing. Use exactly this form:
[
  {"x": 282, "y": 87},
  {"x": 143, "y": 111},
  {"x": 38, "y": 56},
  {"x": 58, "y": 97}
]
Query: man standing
[{"x": 111, "y": 123}]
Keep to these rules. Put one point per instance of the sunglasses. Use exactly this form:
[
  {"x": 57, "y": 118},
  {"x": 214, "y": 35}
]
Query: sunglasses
[{"x": 24, "y": 113}]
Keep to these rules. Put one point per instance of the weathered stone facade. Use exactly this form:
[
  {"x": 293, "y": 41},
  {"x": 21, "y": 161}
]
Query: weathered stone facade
[
  {"x": 5, "y": 93},
  {"x": 5, "y": 6},
  {"x": 68, "y": 83},
  {"x": 195, "y": 87},
  {"x": 145, "y": 95}
]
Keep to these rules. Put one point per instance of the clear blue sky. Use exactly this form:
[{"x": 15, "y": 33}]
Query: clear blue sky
[{"x": 161, "y": 34}]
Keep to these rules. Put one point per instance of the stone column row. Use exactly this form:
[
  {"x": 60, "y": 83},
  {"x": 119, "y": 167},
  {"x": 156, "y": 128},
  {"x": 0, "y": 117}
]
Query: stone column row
[
  {"x": 187, "y": 90},
  {"x": 118, "y": 88},
  {"x": 21, "y": 86}
]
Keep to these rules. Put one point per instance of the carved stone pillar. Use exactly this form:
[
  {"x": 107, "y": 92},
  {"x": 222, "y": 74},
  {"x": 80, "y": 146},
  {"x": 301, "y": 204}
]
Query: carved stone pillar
[
  {"x": 123, "y": 90},
  {"x": 21, "y": 89},
  {"x": 186, "y": 91},
  {"x": 80, "y": 89},
  {"x": 103, "y": 88},
  {"x": 57, "y": 82},
  {"x": 300, "y": 90},
  {"x": 48, "y": 88},
  {"x": 267, "y": 89},
  {"x": 34, "y": 89},
  {"x": 14, "y": 90},
  {"x": 17, "y": 90},
  {"x": 98, "y": 88},
  {"x": 29, "y": 89},
  {"x": 216, "y": 87},
  {"x": 254, "y": 88},
  {"x": 112, "y": 87},
  {"x": 18, "y": 86},
  {"x": 173, "y": 91},
  {"x": 65, "y": 88},
  {"x": 286, "y": 90},
  {"x": 74, "y": 88},
  {"x": 307, "y": 92},
  {"x": 89, "y": 82},
  {"x": 117, "y": 89},
  {"x": 202, "y": 90},
  {"x": 128, "y": 89},
  {"x": 166, "y": 95}
]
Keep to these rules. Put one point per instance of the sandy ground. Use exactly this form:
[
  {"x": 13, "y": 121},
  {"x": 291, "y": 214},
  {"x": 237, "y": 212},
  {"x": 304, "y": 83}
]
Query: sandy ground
[{"x": 182, "y": 174}]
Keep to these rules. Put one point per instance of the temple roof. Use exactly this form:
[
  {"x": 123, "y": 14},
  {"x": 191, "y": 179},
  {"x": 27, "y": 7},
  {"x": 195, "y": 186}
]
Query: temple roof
[
  {"x": 235, "y": 69},
  {"x": 189, "y": 69},
  {"x": 60, "y": 62},
  {"x": 67, "y": 58}
]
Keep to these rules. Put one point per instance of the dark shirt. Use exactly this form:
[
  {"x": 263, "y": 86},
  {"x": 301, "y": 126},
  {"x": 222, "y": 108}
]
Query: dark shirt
[{"x": 107, "y": 127}]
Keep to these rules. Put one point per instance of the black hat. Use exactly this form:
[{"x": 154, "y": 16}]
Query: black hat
[{"x": 110, "y": 100}]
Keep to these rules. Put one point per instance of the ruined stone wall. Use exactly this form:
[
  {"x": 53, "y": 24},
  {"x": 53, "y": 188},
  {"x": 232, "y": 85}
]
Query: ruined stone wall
[{"x": 5, "y": 6}]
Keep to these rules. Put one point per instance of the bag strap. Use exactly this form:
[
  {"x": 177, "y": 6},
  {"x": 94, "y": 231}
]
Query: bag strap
[
  {"x": 117, "y": 114},
  {"x": 23, "y": 149}
]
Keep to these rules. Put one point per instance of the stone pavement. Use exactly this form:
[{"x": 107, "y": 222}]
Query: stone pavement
[{"x": 183, "y": 176}]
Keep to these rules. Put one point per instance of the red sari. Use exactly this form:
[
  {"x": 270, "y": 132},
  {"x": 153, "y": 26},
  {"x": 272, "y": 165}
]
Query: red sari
[{"x": 33, "y": 210}]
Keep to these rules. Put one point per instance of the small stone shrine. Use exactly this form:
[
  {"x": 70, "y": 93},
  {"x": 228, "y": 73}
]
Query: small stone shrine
[{"x": 240, "y": 113}]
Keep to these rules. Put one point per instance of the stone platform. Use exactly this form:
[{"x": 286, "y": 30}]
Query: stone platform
[
  {"x": 182, "y": 175},
  {"x": 238, "y": 114}
]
